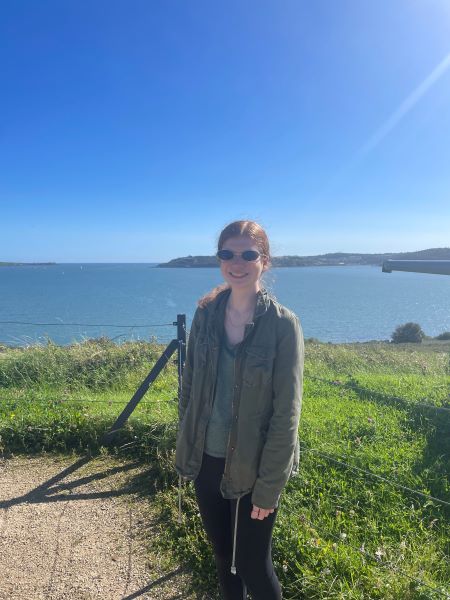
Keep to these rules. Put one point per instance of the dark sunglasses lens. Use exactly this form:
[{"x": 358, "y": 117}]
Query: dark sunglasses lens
[
  {"x": 250, "y": 255},
  {"x": 225, "y": 255}
]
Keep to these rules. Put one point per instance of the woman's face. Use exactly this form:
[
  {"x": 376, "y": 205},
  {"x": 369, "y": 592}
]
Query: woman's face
[{"x": 241, "y": 274}]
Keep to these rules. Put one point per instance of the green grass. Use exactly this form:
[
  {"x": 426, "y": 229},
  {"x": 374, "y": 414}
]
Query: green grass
[{"x": 340, "y": 532}]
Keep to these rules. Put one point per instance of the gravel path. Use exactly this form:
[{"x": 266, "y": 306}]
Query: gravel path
[{"x": 80, "y": 529}]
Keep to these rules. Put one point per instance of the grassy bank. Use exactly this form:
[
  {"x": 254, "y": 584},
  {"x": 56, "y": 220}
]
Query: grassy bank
[{"x": 374, "y": 415}]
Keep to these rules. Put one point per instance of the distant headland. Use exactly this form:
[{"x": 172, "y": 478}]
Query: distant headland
[
  {"x": 20, "y": 264},
  {"x": 320, "y": 260}
]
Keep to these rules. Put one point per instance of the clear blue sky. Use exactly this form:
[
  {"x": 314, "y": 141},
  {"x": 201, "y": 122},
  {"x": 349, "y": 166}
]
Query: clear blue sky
[{"x": 135, "y": 130}]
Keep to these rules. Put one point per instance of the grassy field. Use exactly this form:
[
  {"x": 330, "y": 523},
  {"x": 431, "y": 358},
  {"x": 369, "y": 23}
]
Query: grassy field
[{"x": 361, "y": 521}]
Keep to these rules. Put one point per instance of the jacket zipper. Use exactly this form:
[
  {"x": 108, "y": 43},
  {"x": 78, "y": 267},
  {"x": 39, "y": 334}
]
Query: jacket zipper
[{"x": 225, "y": 472}]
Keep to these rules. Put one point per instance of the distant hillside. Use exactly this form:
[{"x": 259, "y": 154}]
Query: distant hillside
[{"x": 336, "y": 258}]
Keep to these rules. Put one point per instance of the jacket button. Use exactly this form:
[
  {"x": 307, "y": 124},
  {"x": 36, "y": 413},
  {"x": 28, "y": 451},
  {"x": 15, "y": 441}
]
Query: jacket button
[{"x": 232, "y": 448}]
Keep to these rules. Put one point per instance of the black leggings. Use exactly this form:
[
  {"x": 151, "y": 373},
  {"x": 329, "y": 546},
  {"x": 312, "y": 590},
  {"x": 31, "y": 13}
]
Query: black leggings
[{"x": 253, "y": 543}]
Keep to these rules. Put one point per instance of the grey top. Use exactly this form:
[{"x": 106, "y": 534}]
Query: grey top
[{"x": 219, "y": 424}]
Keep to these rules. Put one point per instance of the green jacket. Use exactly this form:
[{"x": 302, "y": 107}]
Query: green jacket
[{"x": 263, "y": 447}]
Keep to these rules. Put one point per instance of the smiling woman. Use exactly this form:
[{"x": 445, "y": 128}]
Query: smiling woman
[{"x": 239, "y": 413}]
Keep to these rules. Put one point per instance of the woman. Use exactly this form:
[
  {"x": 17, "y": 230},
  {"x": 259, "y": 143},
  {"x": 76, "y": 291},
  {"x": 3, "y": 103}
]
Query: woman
[{"x": 239, "y": 413}]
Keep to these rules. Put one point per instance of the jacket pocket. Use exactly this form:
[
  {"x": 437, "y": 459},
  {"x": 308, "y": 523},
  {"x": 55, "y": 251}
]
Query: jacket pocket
[{"x": 258, "y": 366}]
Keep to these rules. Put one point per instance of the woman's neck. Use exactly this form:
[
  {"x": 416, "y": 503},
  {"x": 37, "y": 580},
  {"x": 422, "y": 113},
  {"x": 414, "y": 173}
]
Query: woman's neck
[{"x": 242, "y": 301}]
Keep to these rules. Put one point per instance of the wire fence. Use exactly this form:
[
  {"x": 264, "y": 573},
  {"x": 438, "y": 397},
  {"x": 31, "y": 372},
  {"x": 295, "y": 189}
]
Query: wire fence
[
  {"x": 77, "y": 401},
  {"x": 351, "y": 385},
  {"x": 42, "y": 338},
  {"x": 147, "y": 325},
  {"x": 339, "y": 461},
  {"x": 404, "y": 401},
  {"x": 336, "y": 459}
]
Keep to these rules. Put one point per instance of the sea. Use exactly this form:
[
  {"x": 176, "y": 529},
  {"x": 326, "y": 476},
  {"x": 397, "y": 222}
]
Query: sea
[{"x": 68, "y": 303}]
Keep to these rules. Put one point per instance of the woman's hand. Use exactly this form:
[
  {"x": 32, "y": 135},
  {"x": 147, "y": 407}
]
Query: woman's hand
[{"x": 261, "y": 513}]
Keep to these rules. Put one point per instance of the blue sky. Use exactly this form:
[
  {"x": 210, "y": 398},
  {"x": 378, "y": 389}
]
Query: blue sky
[{"x": 135, "y": 130}]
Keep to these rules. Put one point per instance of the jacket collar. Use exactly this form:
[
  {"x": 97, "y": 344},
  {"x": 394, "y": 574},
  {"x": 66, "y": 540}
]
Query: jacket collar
[{"x": 216, "y": 311}]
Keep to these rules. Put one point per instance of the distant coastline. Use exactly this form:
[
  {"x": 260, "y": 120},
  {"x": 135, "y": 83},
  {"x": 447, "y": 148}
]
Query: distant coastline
[
  {"x": 321, "y": 260},
  {"x": 21, "y": 264}
]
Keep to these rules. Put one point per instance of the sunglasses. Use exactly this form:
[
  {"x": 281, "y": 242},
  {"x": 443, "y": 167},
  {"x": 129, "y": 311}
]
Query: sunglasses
[{"x": 248, "y": 255}]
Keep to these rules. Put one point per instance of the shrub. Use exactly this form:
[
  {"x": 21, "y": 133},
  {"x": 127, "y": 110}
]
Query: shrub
[
  {"x": 443, "y": 336},
  {"x": 409, "y": 332}
]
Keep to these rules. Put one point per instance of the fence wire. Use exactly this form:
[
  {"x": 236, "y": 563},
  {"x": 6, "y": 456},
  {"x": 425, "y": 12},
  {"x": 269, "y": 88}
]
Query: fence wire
[
  {"x": 76, "y": 402},
  {"x": 84, "y": 324},
  {"x": 373, "y": 475},
  {"x": 351, "y": 386}
]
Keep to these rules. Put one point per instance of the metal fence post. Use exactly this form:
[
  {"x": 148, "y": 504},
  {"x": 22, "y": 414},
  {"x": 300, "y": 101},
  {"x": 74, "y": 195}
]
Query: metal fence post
[
  {"x": 181, "y": 359},
  {"x": 178, "y": 344}
]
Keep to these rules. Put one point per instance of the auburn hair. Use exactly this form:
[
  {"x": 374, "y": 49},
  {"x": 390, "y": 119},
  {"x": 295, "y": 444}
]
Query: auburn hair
[{"x": 250, "y": 229}]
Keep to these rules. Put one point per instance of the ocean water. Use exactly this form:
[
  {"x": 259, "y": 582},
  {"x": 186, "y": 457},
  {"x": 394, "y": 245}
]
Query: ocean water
[{"x": 72, "y": 302}]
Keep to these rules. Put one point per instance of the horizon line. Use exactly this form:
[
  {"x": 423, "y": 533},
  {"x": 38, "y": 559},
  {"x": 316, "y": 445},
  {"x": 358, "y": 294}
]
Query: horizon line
[{"x": 77, "y": 262}]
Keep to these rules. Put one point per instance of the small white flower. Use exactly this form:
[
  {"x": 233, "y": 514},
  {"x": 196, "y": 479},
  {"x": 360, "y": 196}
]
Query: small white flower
[{"x": 379, "y": 553}]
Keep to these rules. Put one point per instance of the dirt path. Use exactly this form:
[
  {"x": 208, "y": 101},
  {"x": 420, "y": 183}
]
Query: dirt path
[{"x": 79, "y": 530}]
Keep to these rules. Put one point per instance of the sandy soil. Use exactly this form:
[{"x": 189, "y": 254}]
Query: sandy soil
[{"x": 80, "y": 529}]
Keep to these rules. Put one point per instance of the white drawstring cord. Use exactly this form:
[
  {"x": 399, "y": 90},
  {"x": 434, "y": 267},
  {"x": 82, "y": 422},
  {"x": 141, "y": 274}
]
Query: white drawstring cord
[
  {"x": 179, "y": 500},
  {"x": 233, "y": 566}
]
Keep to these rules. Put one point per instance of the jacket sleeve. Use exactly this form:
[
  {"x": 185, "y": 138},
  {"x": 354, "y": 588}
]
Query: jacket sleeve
[
  {"x": 282, "y": 435},
  {"x": 188, "y": 366}
]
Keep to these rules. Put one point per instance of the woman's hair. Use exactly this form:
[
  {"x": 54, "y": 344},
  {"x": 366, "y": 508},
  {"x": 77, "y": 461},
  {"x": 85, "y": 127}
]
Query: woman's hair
[{"x": 236, "y": 229}]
